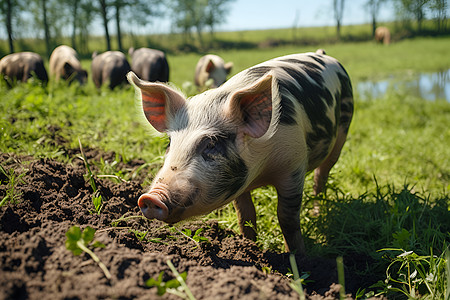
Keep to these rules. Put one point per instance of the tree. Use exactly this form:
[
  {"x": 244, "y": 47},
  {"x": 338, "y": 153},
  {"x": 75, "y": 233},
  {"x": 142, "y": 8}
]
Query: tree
[
  {"x": 374, "y": 7},
  {"x": 188, "y": 14},
  {"x": 439, "y": 8},
  {"x": 9, "y": 10},
  {"x": 197, "y": 14},
  {"x": 103, "y": 9},
  {"x": 338, "y": 7},
  {"x": 408, "y": 9},
  {"x": 118, "y": 4},
  {"x": 47, "y": 19},
  {"x": 131, "y": 10},
  {"x": 216, "y": 11},
  {"x": 79, "y": 14},
  {"x": 46, "y": 26}
]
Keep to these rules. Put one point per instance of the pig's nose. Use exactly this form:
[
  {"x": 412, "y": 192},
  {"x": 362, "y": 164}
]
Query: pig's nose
[{"x": 152, "y": 207}]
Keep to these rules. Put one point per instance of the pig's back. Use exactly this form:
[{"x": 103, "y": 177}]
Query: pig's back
[
  {"x": 310, "y": 89},
  {"x": 317, "y": 82}
]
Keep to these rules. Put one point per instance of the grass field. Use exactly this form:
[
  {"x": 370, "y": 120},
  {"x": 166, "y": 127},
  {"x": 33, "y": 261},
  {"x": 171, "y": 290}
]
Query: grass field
[{"x": 390, "y": 188}]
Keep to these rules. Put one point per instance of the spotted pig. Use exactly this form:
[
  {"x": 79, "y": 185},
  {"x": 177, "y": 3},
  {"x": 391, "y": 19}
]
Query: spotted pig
[{"x": 268, "y": 125}]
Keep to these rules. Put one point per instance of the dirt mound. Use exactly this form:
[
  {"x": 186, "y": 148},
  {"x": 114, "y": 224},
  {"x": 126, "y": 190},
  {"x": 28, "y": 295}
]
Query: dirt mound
[{"x": 50, "y": 197}]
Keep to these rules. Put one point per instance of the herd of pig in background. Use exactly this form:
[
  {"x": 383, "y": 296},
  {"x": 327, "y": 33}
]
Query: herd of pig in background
[
  {"x": 268, "y": 125},
  {"x": 110, "y": 67}
]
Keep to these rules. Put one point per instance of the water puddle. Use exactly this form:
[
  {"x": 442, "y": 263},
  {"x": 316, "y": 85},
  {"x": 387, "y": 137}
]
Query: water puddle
[{"x": 429, "y": 86}]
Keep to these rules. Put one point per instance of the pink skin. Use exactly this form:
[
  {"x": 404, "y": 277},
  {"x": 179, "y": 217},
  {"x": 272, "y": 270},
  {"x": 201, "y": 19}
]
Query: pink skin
[
  {"x": 168, "y": 199},
  {"x": 152, "y": 203}
]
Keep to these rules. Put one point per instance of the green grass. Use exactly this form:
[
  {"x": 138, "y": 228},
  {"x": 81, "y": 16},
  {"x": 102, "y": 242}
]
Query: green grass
[
  {"x": 390, "y": 188},
  {"x": 363, "y": 60}
]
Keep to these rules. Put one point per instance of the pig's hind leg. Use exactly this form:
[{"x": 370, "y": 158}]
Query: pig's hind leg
[
  {"x": 246, "y": 214},
  {"x": 321, "y": 173},
  {"x": 290, "y": 192}
]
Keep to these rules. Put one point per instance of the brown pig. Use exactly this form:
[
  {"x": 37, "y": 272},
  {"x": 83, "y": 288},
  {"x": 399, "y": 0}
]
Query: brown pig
[
  {"x": 383, "y": 35},
  {"x": 110, "y": 67},
  {"x": 21, "y": 66},
  {"x": 149, "y": 64}
]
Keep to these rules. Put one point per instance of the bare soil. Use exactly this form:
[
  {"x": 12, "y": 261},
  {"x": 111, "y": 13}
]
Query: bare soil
[{"x": 52, "y": 196}]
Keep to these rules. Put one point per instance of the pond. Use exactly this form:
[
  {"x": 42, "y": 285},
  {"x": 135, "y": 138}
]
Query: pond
[{"x": 429, "y": 86}]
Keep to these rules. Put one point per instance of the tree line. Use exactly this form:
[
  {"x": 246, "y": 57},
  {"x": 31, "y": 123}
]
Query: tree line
[
  {"x": 74, "y": 18},
  {"x": 57, "y": 18},
  {"x": 405, "y": 10}
]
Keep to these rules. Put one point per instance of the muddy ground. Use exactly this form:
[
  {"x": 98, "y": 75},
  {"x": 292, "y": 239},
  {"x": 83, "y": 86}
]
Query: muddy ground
[{"x": 52, "y": 196}]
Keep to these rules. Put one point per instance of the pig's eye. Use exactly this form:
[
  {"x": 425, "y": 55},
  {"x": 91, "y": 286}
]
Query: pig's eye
[{"x": 212, "y": 148}]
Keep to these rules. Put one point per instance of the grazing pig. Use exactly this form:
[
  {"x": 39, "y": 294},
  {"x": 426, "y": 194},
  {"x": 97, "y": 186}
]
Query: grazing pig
[
  {"x": 212, "y": 67},
  {"x": 21, "y": 66},
  {"x": 149, "y": 64},
  {"x": 320, "y": 51},
  {"x": 383, "y": 35},
  {"x": 109, "y": 67},
  {"x": 64, "y": 63},
  {"x": 270, "y": 124}
]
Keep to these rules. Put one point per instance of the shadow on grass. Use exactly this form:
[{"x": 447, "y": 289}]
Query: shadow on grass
[{"x": 358, "y": 228}]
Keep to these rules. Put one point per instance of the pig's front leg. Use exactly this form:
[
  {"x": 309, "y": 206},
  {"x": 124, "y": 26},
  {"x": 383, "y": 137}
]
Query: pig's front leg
[
  {"x": 288, "y": 211},
  {"x": 246, "y": 213}
]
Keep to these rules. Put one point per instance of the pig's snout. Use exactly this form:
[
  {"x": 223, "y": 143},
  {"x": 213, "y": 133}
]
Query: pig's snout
[{"x": 153, "y": 207}]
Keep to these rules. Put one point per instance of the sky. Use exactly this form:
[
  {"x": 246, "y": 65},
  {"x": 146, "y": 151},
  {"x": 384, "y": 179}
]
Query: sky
[
  {"x": 246, "y": 14},
  {"x": 268, "y": 14}
]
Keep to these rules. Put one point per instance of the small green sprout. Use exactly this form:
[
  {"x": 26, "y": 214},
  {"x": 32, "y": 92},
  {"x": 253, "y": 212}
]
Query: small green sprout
[
  {"x": 296, "y": 284},
  {"x": 176, "y": 286},
  {"x": 266, "y": 270},
  {"x": 96, "y": 197},
  {"x": 115, "y": 223},
  {"x": 197, "y": 238},
  {"x": 13, "y": 180},
  {"x": 142, "y": 236},
  {"x": 341, "y": 276},
  {"x": 78, "y": 242},
  {"x": 164, "y": 286}
]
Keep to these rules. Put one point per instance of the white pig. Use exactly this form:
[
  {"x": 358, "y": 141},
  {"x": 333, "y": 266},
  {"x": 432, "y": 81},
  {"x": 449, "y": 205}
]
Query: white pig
[
  {"x": 212, "y": 67},
  {"x": 64, "y": 63},
  {"x": 269, "y": 124}
]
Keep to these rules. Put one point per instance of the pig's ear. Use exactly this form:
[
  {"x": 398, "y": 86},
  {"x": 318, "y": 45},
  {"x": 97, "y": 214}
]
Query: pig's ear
[
  {"x": 210, "y": 66},
  {"x": 228, "y": 67},
  {"x": 252, "y": 108},
  {"x": 159, "y": 101}
]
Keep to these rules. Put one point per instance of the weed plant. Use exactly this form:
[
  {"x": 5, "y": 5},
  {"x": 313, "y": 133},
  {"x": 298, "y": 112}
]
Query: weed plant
[
  {"x": 176, "y": 286},
  {"x": 79, "y": 241},
  {"x": 416, "y": 276},
  {"x": 11, "y": 179}
]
